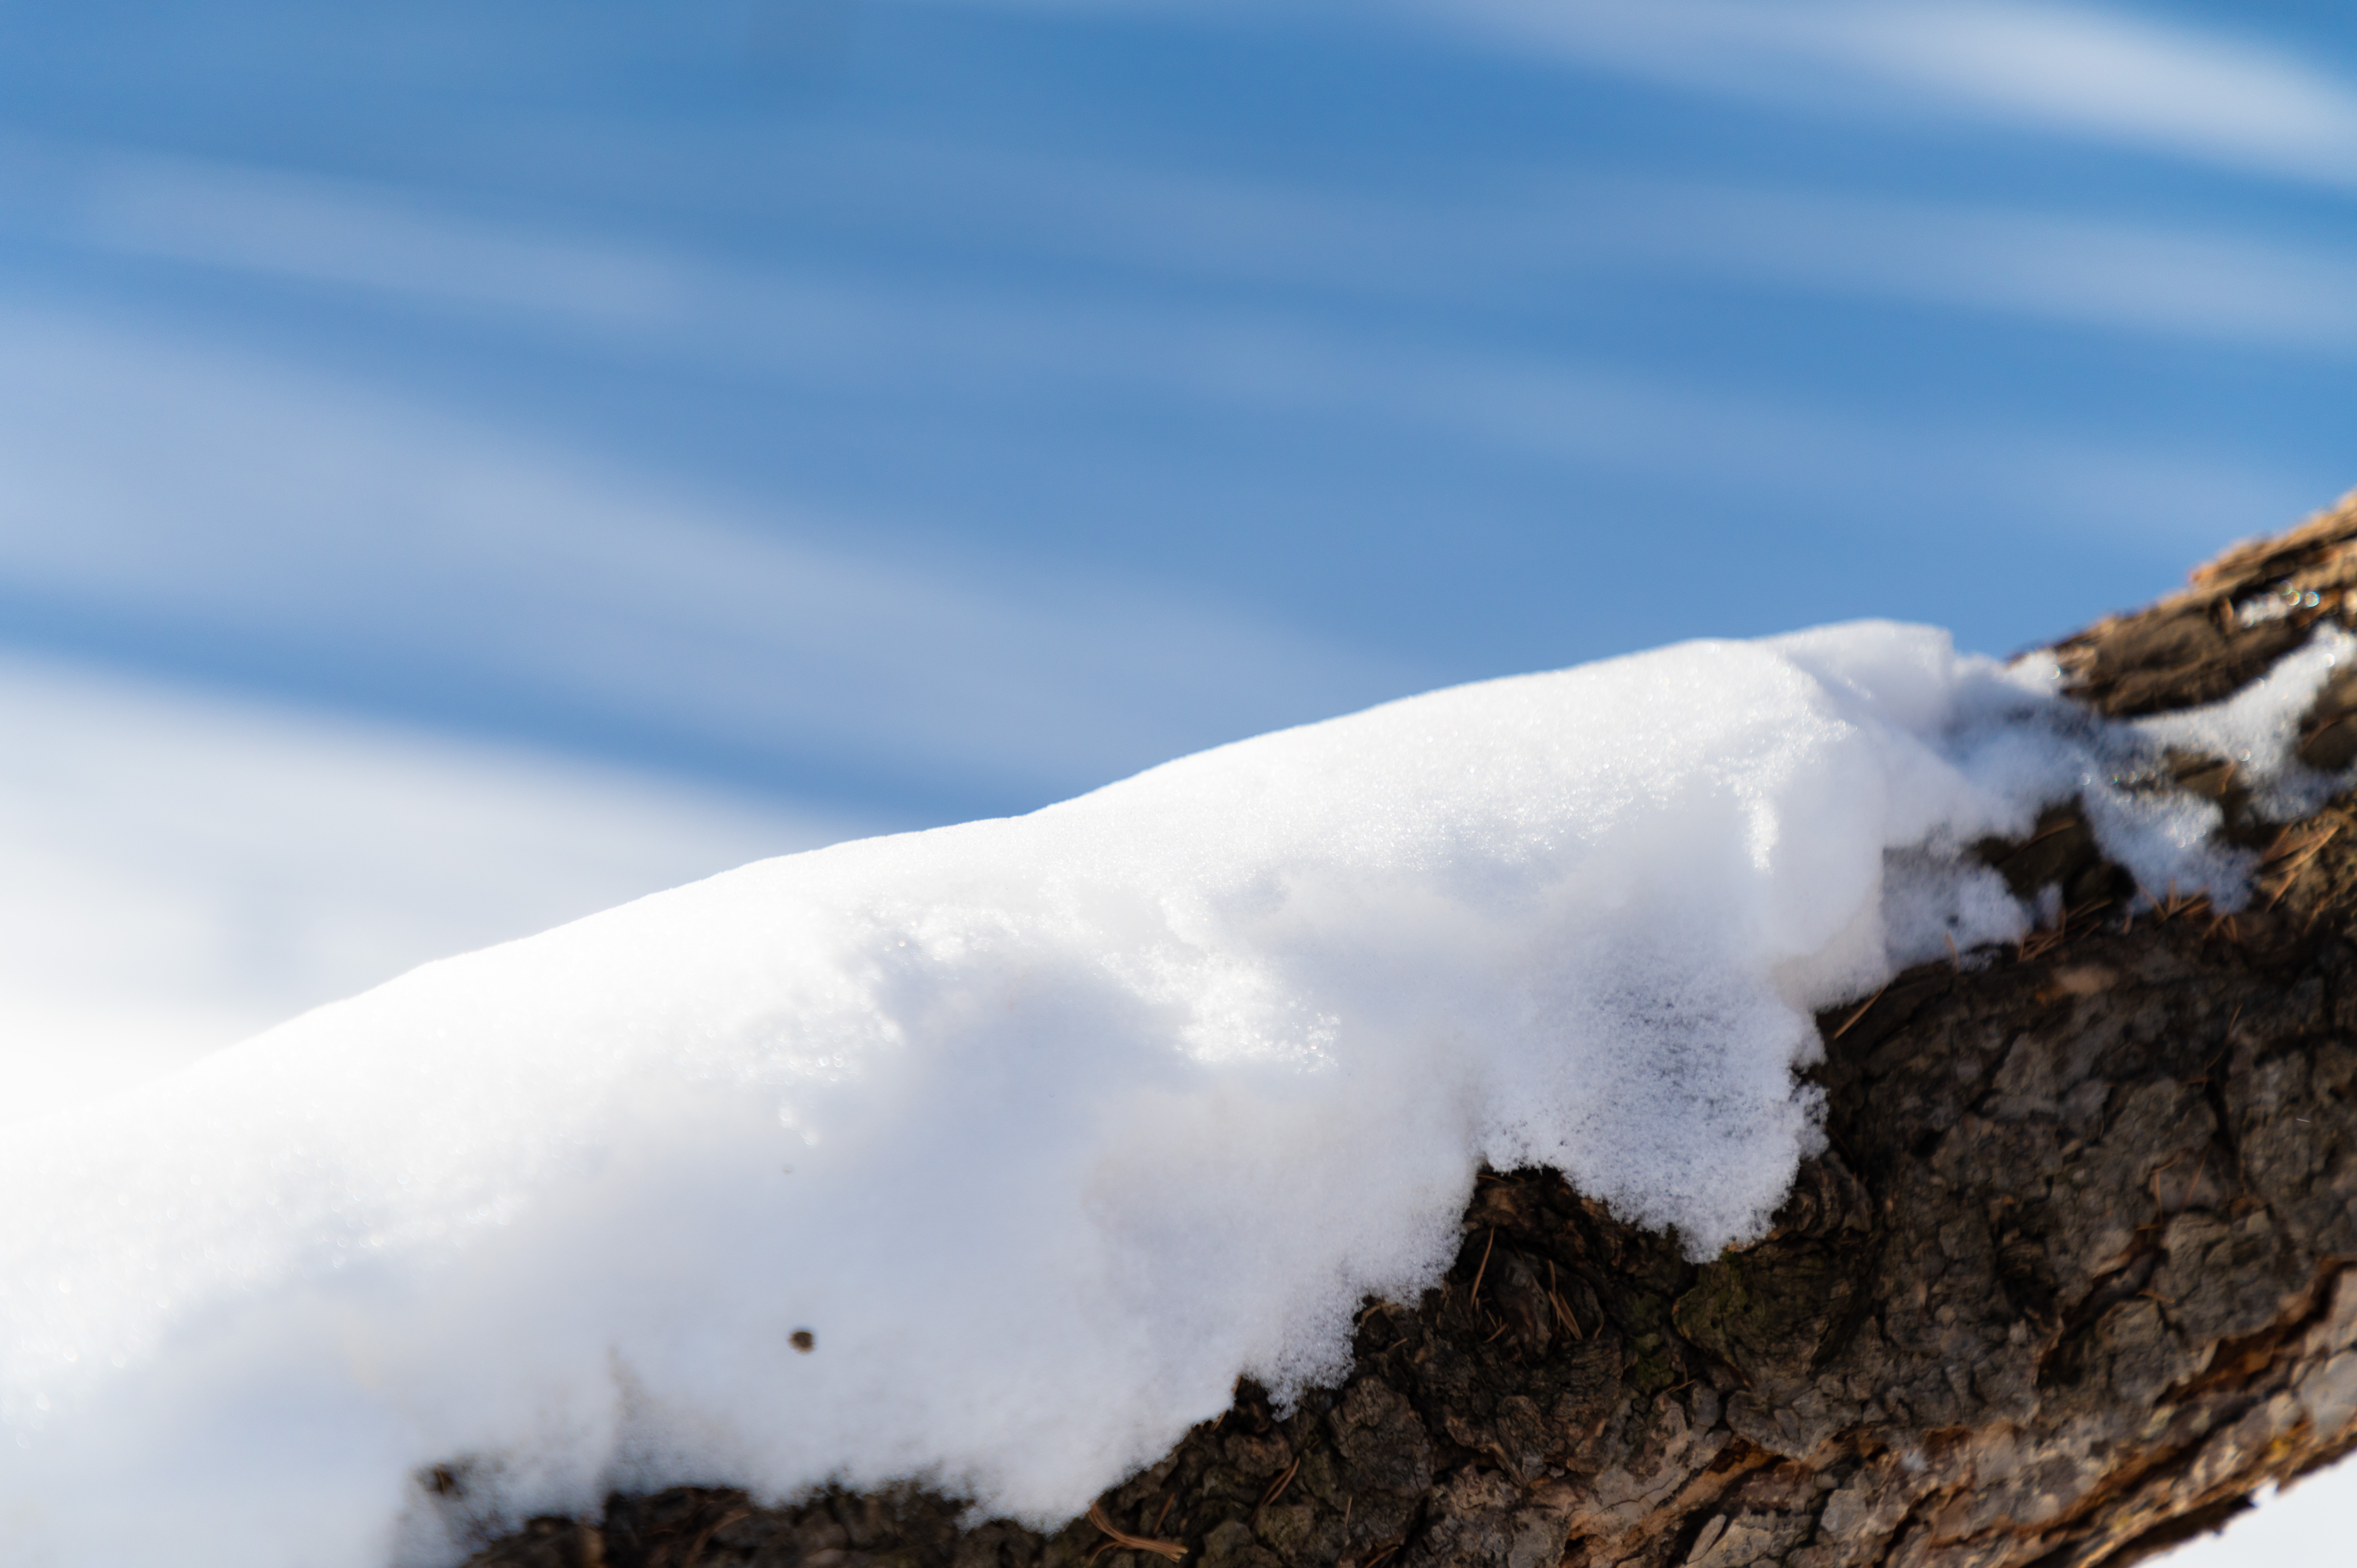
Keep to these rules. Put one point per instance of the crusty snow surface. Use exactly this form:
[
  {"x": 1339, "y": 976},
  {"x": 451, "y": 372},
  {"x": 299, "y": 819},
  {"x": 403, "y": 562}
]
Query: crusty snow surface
[{"x": 1046, "y": 1129}]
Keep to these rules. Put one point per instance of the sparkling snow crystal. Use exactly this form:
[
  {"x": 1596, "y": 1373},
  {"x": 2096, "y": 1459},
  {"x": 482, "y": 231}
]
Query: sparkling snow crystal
[{"x": 1041, "y": 1129}]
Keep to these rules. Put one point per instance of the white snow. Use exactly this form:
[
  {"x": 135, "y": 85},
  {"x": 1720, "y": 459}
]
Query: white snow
[
  {"x": 1046, "y": 1128},
  {"x": 2300, "y": 1526}
]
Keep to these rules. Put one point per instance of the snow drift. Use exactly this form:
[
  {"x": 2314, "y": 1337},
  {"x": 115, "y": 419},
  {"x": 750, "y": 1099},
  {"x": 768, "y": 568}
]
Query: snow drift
[{"x": 1043, "y": 1130}]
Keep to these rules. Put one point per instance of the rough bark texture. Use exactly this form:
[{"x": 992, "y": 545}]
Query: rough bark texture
[{"x": 2078, "y": 1274}]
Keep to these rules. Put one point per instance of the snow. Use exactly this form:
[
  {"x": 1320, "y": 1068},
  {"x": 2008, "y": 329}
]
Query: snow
[
  {"x": 2297, "y": 1525},
  {"x": 1045, "y": 1128}
]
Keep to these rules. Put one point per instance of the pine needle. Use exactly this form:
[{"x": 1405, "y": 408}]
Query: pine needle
[{"x": 1169, "y": 1549}]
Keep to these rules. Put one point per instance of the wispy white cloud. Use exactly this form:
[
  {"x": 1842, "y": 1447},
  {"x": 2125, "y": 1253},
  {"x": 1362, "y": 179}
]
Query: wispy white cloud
[
  {"x": 185, "y": 869},
  {"x": 2145, "y": 279},
  {"x": 305, "y": 228},
  {"x": 2211, "y": 93},
  {"x": 2164, "y": 280},
  {"x": 1782, "y": 452},
  {"x": 314, "y": 230},
  {"x": 237, "y": 501},
  {"x": 223, "y": 495},
  {"x": 241, "y": 500}
]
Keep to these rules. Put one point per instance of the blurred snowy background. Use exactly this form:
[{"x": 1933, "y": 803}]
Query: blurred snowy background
[{"x": 463, "y": 465}]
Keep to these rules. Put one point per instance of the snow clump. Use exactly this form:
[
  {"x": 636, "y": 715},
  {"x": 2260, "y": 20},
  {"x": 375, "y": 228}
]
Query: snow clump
[{"x": 1038, "y": 1132}]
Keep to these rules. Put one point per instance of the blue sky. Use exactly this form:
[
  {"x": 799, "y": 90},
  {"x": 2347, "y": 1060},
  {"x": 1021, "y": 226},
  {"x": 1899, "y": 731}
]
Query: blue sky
[{"x": 933, "y": 410}]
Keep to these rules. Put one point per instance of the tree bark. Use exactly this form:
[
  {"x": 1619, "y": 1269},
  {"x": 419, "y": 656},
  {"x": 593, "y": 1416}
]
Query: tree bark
[{"x": 2077, "y": 1273}]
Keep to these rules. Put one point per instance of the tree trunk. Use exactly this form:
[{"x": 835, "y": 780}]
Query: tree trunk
[{"x": 2077, "y": 1275}]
